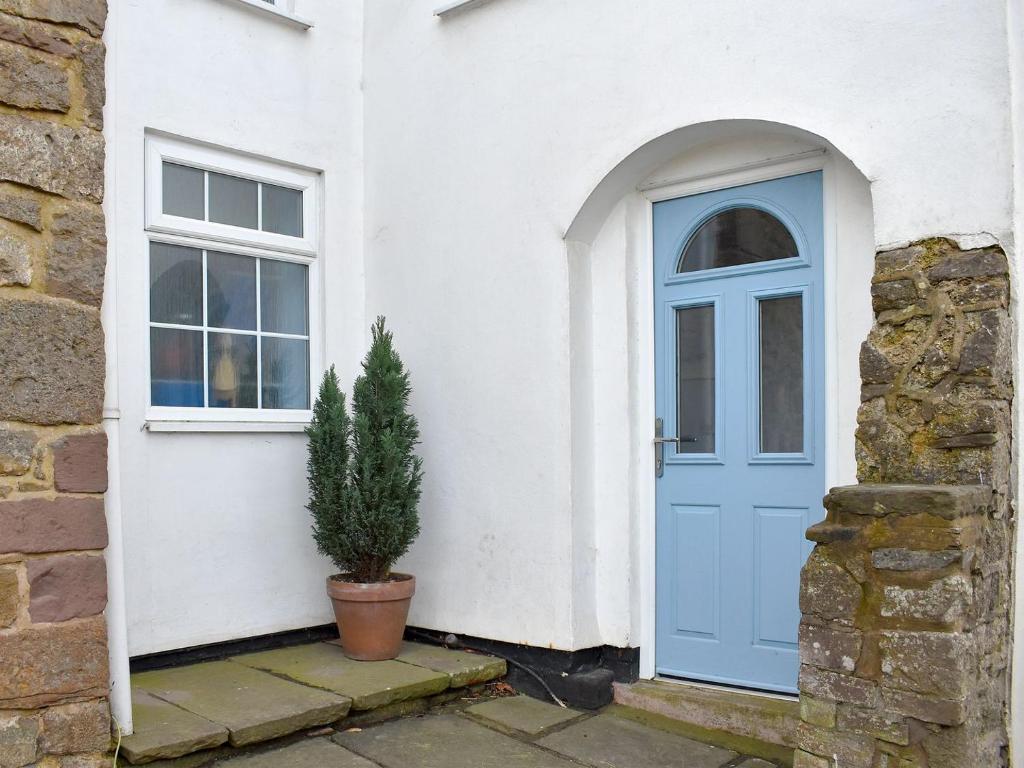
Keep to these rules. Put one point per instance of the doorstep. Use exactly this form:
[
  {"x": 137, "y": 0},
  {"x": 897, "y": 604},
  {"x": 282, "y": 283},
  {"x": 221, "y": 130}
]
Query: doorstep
[
  {"x": 757, "y": 724},
  {"x": 259, "y": 697}
]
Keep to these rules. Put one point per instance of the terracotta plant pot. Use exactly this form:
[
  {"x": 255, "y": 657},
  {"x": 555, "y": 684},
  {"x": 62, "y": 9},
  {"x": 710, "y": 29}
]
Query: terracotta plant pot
[{"x": 371, "y": 617}]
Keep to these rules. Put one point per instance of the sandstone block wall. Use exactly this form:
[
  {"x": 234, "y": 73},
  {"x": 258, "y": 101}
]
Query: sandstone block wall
[
  {"x": 905, "y": 637},
  {"x": 53, "y": 648}
]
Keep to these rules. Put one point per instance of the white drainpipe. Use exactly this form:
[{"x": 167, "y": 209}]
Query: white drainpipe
[{"x": 116, "y": 613}]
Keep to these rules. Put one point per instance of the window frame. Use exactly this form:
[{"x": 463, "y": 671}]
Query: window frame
[
  {"x": 161, "y": 149},
  {"x": 224, "y": 238},
  {"x": 278, "y": 10}
]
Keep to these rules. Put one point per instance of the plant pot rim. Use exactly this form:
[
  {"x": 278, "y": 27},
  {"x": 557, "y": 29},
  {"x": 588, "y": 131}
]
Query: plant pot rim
[{"x": 401, "y": 588}]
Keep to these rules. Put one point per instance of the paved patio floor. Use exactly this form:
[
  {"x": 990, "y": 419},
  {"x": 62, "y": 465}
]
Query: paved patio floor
[
  {"x": 514, "y": 732},
  {"x": 312, "y": 707}
]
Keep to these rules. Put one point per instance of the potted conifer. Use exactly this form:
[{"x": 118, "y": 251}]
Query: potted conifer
[{"x": 364, "y": 482}]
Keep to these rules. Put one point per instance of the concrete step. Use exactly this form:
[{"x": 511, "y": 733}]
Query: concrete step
[
  {"x": 264, "y": 696},
  {"x": 755, "y": 724}
]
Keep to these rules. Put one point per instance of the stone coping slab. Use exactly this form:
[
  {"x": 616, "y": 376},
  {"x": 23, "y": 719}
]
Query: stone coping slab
[
  {"x": 312, "y": 753},
  {"x": 368, "y": 684},
  {"x": 523, "y": 713},
  {"x": 163, "y": 730},
  {"x": 446, "y": 741},
  {"x": 878, "y": 500},
  {"x": 463, "y": 668},
  {"x": 613, "y": 742},
  {"x": 254, "y": 706}
]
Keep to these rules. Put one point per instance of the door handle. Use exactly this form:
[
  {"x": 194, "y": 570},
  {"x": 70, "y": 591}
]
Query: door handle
[{"x": 659, "y": 442}]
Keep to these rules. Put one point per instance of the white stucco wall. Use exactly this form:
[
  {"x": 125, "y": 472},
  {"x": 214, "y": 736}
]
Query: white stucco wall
[
  {"x": 457, "y": 155},
  {"x": 216, "y": 539},
  {"x": 486, "y": 133}
]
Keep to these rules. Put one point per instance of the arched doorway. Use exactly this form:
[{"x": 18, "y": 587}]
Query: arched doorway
[{"x": 615, "y": 312}]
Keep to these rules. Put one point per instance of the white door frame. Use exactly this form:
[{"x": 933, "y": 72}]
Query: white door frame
[{"x": 814, "y": 160}]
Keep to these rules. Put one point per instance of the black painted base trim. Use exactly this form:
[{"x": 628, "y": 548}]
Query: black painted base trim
[
  {"x": 215, "y": 651},
  {"x": 581, "y": 678}
]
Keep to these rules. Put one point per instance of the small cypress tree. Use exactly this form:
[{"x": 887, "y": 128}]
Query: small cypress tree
[
  {"x": 329, "y": 434},
  {"x": 364, "y": 478},
  {"x": 385, "y": 474}
]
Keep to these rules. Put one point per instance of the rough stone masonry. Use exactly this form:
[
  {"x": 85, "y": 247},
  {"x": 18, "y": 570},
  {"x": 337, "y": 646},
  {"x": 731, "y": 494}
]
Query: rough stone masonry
[
  {"x": 53, "y": 647},
  {"x": 905, "y": 636}
]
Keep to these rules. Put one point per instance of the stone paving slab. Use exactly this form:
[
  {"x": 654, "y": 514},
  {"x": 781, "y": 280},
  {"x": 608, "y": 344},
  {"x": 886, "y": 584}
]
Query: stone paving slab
[
  {"x": 463, "y": 668},
  {"x": 312, "y": 753},
  {"x": 613, "y": 742},
  {"x": 163, "y": 730},
  {"x": 254, "y": 706},
  {"x": 523, "y": 713},
  {"x": 446, "y": 741},
  {"x": 369, "y": 684}
]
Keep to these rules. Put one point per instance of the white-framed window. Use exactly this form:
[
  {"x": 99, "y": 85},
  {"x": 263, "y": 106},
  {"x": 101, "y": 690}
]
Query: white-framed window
[
  {"x": 283, "y": 10},
  {"x": 233, "y": 254}
]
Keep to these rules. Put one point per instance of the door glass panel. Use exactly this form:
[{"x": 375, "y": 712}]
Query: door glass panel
[
  {"x": 695, "y": 374},
  {"x": 782, "y": 374},
  {"x": 737, "y": 236}
]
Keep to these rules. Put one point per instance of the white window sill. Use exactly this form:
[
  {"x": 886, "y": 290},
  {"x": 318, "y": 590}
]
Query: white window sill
[
  {"x": 275, "y": 12},
  {"x": 458, "y": 5},
  {"x": 163, "y": 419},
  {"x": 177, "y": 425}
]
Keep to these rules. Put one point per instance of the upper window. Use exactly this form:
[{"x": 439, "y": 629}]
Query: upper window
[
  {"x": 200, "y": 191},
  {"x": 283, "y": 10},
  {"x": 218, "y": 197},
  {"x": 232, "y": 269},
  {"x": 737, "y": 236}
]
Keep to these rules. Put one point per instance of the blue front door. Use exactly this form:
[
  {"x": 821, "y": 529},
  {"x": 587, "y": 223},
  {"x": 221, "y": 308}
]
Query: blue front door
[{"x": 740, "y": 354}]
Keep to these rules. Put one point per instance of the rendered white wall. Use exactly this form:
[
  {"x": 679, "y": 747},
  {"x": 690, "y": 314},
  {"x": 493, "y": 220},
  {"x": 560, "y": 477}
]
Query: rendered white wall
[
  {"x": 484, "y": 136},
  {"x": 216, "y": 538},
  {"x": 486, "y": 133}
]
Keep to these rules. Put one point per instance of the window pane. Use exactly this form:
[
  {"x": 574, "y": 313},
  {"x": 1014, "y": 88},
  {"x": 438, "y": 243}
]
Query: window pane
[
  {"x": 695, "y": 328},
  {"x": 782, "y": 374},
  {"x": 176, "y": 367},
  {"x": 183, "y": 191},
  {"x": 285, "y": 373},
  {"x": 231, "y": 291},
  {"x": 175, "y": 284},
  {"x": 232, "y": 371},
  {"x": 737, "y": 236},
  {"x": 282, "y": 210},
  {"x": 233, "y": 200},
  {"x": 284, "y": 298}
]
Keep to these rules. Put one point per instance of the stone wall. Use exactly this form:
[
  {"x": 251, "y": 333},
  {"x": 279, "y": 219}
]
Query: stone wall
[
  {"x": 905, "y": 637},
  {"x": 53, "y": 648}
]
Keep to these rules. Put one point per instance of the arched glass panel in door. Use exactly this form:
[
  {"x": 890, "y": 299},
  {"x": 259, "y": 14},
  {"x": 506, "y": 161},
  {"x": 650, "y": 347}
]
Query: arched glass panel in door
[{"x": 734, "y": 237}]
